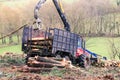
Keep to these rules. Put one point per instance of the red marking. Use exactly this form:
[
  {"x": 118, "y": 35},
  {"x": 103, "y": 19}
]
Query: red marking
[
  {"x": 81, "y": 51},
  {"x": 39, "y": 34}
]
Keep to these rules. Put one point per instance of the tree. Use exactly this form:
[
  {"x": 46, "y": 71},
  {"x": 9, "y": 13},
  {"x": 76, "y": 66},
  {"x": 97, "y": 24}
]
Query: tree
[
  {"x": 118, "y": 2},
  {"x": 113, "y": 48}
]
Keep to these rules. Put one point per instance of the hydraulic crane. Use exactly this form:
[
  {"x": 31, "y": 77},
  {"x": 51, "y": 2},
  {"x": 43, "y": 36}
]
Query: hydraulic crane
[{"x": 60, "y": 10}]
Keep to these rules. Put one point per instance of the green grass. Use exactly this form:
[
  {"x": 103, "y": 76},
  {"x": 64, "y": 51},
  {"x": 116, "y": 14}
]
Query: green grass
[
  {"x": 101, "y": 45},
  {"x": 14, "y": 38},
  {"x": 14, "y": 49}
]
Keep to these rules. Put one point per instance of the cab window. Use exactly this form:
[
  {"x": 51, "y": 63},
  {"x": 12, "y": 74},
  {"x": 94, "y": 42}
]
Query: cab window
[{"x": 79, "y": 43}]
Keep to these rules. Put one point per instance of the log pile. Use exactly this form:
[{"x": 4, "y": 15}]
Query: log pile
[
  {"x": 40, "y": 64},
  {"x": 108, "y": 63}
]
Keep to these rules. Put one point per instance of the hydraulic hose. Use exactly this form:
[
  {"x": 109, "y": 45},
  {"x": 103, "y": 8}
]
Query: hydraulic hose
[{"x": 60, "y": 10}]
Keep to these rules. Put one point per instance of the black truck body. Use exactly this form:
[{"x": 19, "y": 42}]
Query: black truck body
[{"x": 50, "y": 42}]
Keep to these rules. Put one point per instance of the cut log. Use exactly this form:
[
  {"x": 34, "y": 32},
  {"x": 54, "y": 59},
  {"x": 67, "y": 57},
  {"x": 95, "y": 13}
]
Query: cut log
[
  {"x": 33, "y": 69},
  {"x": 45, "y": 59},
  {"x": 108, "y": 63},
  {"x": 58, "y": 59},
  {"x": 34, "y": 60},
  {"x": 44, "y": 64}
]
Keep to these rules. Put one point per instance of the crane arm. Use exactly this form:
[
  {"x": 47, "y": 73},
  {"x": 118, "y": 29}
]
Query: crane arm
[
  {"x": 36, "y": 10},
  {"x": 60, "y": 10}
]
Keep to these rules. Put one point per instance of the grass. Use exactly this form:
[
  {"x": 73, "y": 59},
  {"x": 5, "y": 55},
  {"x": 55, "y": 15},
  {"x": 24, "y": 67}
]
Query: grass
[
  {"x": 101, "y": 45},
  {"x": 98, "y": 45},
  {"x": 55, "y": 72},
  {"x": 14, "y": 38},
  {"x": 14, "y": 49},
  {"x": 12, "y": 59}
]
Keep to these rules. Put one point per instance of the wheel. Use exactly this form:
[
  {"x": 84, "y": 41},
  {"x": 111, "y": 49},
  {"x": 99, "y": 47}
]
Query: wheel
[
  {"x": 84, "y": 61},
  {"x": 58, "y": 56},
  {"x": 26, "y": 59},
  {"x": 29, "y": 54},
  {"x": 67, "y": 58},
  {"x": 61, "y": 56}
]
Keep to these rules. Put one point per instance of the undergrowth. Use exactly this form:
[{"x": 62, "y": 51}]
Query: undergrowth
[
  {"x": 55, "y": 72},
  {"x": 11, "y": 59}
]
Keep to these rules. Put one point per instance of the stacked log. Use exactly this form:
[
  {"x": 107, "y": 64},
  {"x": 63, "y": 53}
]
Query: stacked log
[
  {"x": 38, "y": 64},
  {"x": 44, "y": 64},
  {"x": 108, "y": 63}
]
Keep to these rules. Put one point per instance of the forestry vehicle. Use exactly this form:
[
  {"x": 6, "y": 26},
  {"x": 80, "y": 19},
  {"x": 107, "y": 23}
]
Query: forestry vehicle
[{"x": 54, "y": 42}]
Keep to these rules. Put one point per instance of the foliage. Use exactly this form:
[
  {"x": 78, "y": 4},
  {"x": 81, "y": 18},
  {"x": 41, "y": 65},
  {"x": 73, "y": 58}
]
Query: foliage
[
  {"x": 86, "y": 18},
  {"x": 114, "y": 48},
  {"x": 8, "y": 75},
  {"x": 9, "y": 48},
  {"x": 101, "y": 45},
  {"x": 11, "y": 59},
  {"x": 55, "y": 72},
  {"x": 118, "y": 2}
]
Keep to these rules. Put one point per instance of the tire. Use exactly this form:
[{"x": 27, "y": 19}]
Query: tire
[
  {"x": 84, "y": 61},
  {"x": 28, "y": 56},
  {"x": 67, "y": 58},
  {"x": 58, "y": 56},
  {"x": 26, "y": 59}
]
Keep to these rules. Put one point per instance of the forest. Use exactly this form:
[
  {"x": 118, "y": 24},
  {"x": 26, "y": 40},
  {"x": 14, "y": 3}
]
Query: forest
[
  {"x": 91, "y": 19},
  {"x": 86, "y": 17}
]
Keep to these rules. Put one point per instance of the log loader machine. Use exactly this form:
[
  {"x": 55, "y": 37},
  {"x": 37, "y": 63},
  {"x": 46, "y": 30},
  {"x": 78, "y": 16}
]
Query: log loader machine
[{"x": 54, "y": 42}]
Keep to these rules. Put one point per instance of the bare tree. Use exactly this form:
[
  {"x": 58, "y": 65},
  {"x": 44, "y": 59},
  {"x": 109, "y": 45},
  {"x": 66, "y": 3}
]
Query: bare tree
[{"x": 113, "y": 49}]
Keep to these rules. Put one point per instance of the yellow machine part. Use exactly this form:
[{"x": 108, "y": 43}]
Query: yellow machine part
[{"x": 61, "y": 6}]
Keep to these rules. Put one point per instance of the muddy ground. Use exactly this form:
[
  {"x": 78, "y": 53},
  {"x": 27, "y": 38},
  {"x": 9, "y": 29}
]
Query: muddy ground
[
  {"x": 10, "y": 66},
  {"x": 93, "y": 73}
]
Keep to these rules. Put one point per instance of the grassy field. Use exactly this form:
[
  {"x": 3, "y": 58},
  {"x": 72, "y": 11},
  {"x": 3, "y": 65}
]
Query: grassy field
[
  {"x": 15, "y": 49},
  {"x": 97, "y": 45},
  {"x": 101, "y": 45}
]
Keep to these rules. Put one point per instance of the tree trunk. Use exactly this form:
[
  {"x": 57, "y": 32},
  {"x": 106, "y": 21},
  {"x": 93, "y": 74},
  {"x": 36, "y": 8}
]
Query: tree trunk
[
  {"x": 45, "y": 59},
  {"x": 44, "y": 64}
]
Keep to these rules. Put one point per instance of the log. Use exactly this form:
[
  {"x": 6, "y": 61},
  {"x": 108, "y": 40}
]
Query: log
[
  {"x": 44, "y": 64},
  {"x": 33, "y": 69},
  {"x": 57, "y": 59},
  {"x": 108, "y": 63},
  {"x": 45, "y": 59},
  {"x": 48, "y": 62},
  {"x": 119, "y": 65}
]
